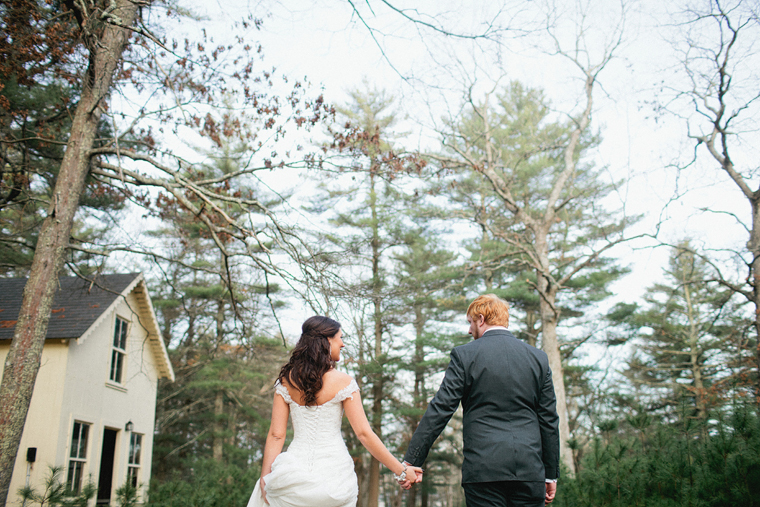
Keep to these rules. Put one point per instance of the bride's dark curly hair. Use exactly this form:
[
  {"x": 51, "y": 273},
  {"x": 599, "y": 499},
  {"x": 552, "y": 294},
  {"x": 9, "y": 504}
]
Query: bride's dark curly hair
[{"x": 311, "y": 357}]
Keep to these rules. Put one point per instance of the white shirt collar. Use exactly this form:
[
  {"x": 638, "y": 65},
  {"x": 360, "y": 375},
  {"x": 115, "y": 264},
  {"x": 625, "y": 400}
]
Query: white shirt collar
[{"x": 494, "y": 328}]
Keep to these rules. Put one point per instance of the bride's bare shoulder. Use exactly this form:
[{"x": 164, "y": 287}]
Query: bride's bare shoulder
[{"x": 337, "y": 378}]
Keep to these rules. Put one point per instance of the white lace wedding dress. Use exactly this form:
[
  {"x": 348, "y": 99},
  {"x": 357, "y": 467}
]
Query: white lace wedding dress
[{"x": 316, "y": 470}]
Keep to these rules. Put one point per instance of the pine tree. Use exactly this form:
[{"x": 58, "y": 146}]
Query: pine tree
[
  {"x": 424, "y": 272},
  {"x": 684, "y": 332},
  {"x": 366, "y": 222}
]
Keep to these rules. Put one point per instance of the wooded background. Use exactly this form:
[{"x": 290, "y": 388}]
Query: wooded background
[{"x": 134, "y": 138}]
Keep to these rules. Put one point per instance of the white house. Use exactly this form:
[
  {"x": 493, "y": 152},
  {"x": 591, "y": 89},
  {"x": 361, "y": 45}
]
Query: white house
[{"x": 94, "y": 402}]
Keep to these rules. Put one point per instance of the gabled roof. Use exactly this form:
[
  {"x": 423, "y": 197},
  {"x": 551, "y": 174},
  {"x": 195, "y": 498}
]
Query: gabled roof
[{"x": 79, "y": 305}]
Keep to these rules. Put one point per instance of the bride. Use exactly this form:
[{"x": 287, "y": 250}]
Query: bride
[{"x": 317, "y": 469}]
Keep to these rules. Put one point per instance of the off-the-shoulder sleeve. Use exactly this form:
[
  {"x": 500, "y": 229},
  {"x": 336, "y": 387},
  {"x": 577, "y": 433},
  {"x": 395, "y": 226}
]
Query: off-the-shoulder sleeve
[
  {"x": 347, "y": 392},
  {"x": 282, "y": 391}
]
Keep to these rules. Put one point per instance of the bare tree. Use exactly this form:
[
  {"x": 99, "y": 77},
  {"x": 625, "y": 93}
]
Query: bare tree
[{"x": 719, "y": 103}]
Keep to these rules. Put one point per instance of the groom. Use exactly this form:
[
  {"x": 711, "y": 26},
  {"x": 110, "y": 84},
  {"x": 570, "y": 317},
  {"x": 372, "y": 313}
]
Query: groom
[{"x": 511, "y": 434}]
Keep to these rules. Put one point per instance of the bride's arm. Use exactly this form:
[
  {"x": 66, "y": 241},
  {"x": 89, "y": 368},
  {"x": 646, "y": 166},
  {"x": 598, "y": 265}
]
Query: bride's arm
[
  {"x": 355, "y": 412},
  {"x": 278, "y": 430}
]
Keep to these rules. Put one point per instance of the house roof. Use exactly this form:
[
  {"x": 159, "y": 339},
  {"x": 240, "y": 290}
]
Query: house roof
[{"x": 78, "y": 305}]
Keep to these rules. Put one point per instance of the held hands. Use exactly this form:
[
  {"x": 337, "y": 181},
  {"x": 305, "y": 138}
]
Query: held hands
[
  {"x": 410, "y": 478},
  {"x": 413, "y": 476}
]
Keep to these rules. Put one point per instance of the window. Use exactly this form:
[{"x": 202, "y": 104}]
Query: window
[
  {"x": 133, "y": 466},
  {"x": 119, "y": 351},
  {"x": 77, "y": 457}
]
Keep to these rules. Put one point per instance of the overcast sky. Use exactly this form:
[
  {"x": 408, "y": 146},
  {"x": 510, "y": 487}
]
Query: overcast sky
[{"x": 327, "y": 42}]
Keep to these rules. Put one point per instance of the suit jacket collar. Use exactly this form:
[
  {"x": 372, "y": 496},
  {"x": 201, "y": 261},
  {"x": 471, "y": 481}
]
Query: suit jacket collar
[
  {"x": 494, "y": 329},
  {"x": 495, "y": 332}
]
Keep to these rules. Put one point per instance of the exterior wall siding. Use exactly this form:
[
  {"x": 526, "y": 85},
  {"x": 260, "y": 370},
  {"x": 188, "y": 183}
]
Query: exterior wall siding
[{"x": 42, "y": 429}]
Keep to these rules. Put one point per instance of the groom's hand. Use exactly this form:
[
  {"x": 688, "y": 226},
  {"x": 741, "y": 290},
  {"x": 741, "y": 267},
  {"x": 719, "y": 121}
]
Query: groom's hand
[{"x": 551, "y": 490}]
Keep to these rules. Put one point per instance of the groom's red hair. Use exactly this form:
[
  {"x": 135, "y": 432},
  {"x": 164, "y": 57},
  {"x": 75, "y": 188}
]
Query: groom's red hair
[{"x": 494, "y": 310}]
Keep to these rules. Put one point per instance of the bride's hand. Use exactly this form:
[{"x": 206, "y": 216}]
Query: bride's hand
[
  {"x": 418, "y": 472},
  {"x": 263, "y": 493},
  {"x": 411, "y": 475}
]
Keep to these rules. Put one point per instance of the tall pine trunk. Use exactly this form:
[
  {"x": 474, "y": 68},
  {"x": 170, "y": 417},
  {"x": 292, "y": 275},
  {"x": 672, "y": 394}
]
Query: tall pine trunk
[
  {"x": 694, "y": 351},
  {"x": 360, "y": 460},
  {"x": 377, "y": 385},
  {"x": 754, "y": 245},
  {"x": 23, "y": 361},
  {"x": 531, "y": 331},
  {"x": 419, "y": 384},
  {"x": 218, "y": 444}
]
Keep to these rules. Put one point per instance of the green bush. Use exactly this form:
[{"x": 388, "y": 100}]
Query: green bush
[
  {"x": 671, "y": 466},
  {"x": 210, "y": 484},
  {"x": 126, "y": 496},
  {"x": 56, "y": 494}
]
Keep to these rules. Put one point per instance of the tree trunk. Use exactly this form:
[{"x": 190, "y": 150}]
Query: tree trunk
[
  {"x": 218, "y": 446},
  {"x": 531, "y": 331},
  {"x": 363, "y": 478},
  {"x": 694, "y": 352},
  {"x": 219, "y": 322},
  {"x": 23, "y": 361},
  {"x": 397, "y": 497},
  {"x": 377, "y": 385},
  {"x": 549, "y": 319},
  {"x": 551, "y": 347},
  {"x": 360, "y": 465},
  {"x": 167, "y": 331},
  {"x": 411, "y": 497},
  {"x": 425, "y": 490},
  {"x": 419, "y": 384},
  {"x": 232, "y": 417},
  {"x": 754, "y": 247},
  {"x": 488, "y": 272},
  {"x": 374, "y": 466}
]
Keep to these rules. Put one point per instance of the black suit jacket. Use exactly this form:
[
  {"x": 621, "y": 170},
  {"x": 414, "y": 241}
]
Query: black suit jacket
[{"x": 511, "y": 427}]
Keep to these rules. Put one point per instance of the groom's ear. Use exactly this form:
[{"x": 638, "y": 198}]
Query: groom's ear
[{"x": 481, "y": 319}]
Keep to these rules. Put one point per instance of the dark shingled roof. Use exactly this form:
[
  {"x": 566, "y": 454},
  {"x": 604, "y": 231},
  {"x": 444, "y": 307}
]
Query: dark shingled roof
[{"x": 76, "y": 305}]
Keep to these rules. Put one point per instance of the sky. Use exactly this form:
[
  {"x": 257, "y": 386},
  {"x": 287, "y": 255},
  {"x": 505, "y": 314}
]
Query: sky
[{"x": 338, "y": 50}]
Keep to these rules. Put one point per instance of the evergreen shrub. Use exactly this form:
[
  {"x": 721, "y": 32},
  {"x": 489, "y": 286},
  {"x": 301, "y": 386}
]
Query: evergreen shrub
[{"x": 685, "y": 464}]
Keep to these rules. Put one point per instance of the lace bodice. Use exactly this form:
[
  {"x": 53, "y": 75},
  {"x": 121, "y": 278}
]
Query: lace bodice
[{"x": 316, "y": 428}]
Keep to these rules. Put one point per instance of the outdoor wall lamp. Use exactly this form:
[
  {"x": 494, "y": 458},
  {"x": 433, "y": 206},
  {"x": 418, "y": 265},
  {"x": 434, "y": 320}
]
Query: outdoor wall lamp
[{"x": 129, "y": 426}]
